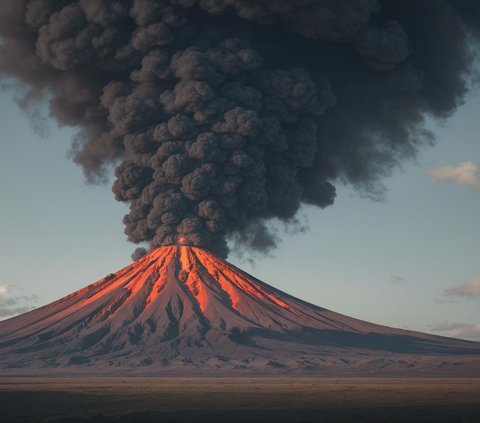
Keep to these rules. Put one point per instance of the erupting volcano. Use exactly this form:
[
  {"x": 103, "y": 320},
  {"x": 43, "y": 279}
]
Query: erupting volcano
[{"x": 183, "y": 309}]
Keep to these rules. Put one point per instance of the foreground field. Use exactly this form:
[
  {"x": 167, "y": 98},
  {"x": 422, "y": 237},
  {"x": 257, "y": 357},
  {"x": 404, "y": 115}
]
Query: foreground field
[{"x": 63, "y": 399}]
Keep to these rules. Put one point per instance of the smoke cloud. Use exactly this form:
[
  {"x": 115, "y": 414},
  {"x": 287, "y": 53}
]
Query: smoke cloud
[{"x": 219, "y": 115}]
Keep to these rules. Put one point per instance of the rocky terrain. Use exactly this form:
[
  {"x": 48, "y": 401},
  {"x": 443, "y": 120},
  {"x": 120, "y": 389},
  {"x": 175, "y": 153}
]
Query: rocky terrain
[{"x": 182, "y": 310}]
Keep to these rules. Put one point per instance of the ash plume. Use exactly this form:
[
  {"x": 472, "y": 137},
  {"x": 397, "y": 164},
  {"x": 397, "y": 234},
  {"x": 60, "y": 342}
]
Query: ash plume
[{"x": 219, "y": 115}]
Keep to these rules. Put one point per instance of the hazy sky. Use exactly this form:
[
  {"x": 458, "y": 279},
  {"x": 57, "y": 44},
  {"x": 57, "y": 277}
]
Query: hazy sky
[{"x": 411, "y": 261}]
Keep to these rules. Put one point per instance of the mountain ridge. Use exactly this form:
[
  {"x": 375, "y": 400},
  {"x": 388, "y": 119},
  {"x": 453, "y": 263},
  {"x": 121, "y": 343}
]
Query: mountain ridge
[{"x": 183, "y": 309}]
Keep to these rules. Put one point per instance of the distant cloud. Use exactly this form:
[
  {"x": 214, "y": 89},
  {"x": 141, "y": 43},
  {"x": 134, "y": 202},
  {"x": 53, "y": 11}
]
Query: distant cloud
[
  {"x": 445, "y": 301},
  {"x": 458, "y": 330},
  {"x": 468, "y": 290},
  {"x": 396, "y": 279},
  {"x": 467, "y": 173},
  {"x": 11, "y": 305}
]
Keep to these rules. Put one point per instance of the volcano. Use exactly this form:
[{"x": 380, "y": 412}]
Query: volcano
[{"x": 181, "y": 310}]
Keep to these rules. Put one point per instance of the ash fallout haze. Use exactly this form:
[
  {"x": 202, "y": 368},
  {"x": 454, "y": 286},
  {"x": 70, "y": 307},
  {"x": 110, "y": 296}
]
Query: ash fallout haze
[{"x": 220, "y": 115}]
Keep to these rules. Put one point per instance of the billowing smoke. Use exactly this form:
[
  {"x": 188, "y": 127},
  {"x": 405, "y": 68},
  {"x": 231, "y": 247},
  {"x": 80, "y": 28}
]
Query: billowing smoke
[
  {"x": 219, "y": 115},
  {"x": 139, "y": 253}
]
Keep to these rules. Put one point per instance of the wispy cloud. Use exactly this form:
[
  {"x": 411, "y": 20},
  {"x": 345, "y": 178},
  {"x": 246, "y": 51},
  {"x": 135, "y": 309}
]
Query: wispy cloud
[
  {"x": 467, "y": 173},
  {"x": 458, "y": 330},
  {"x": 396, "y": 279},
  {"x": 467, "y": 290},
  {"x": 11, "y": 304}
]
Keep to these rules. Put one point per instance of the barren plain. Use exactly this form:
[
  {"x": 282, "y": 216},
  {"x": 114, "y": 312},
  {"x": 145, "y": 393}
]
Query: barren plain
[{"x": 260, "y": 399}]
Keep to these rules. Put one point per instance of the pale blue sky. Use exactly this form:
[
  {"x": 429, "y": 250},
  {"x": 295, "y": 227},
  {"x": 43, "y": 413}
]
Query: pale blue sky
[{"x": 388, "y": 262}]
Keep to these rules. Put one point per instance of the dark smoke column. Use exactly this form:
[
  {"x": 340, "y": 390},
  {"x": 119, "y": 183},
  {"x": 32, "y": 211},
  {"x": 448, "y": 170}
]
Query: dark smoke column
[
  {"x": 220, "y": 115},
  {"x": 227, "y": 149}
]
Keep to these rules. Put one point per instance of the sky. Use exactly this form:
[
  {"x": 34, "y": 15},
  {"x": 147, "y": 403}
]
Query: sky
[{"x": 409, "y": 261}]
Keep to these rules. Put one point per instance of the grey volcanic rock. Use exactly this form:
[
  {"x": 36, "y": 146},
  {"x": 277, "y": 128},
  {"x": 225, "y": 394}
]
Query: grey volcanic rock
[{"x": 184, "y": 310}]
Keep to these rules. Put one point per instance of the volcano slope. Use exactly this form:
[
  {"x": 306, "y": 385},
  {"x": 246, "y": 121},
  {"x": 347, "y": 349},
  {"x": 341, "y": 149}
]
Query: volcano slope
[{"x": 182, "y": 310}]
